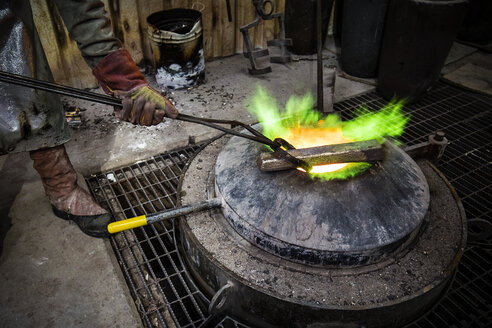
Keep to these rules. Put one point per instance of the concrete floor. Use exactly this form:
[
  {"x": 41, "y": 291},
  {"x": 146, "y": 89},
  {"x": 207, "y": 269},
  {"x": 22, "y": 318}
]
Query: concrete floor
[{"x": 51, "y": 274}]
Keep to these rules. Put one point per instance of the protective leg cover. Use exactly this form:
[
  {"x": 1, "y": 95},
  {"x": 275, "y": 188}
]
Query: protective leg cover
[{"x": 69, "y": 201}]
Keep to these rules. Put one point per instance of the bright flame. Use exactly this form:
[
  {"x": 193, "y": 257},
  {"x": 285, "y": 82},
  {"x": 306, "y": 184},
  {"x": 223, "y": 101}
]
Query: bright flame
[{"x": 303, "y": 127}]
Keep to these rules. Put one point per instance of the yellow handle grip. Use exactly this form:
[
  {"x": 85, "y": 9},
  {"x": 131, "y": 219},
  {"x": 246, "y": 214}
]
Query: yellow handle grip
[{"x": 135, "y": 222}]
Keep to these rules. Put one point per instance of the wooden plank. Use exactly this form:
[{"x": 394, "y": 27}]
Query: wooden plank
[
  {"x": 239, "y": 13},
  {"x": 126, "y": 26},
  {"x": 245, "y": 13},
  {"x": 208, "y": 27},
  {"x": 220, "y": 37},
  {"x": 64, "y": 58},
  {"x": 144, "y": 9},
  {"x": 216, "y": 27},
  {"x": 228, "y": 35}
]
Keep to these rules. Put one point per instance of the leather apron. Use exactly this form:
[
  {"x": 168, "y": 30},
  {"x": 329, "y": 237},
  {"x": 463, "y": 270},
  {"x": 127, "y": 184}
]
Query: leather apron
[{"x": 29, "y": 119}]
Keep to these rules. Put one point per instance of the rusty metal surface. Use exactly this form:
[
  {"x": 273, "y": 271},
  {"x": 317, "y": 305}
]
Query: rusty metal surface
[{"x": 362, "y": 151}]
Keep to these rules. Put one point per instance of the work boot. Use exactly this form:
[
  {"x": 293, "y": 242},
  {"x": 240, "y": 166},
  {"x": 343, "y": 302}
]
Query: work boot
[{"x": 68, "y": 200}]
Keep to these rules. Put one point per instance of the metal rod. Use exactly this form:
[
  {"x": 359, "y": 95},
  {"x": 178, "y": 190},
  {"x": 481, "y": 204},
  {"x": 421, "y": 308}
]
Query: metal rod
[
  {"x": 320, "y": 56},
  {"x": 184, "y": 210},
  {"x": 361, "y": 151},
  {"x": 112, "y": 101},
  {"x": 108, "y": 100},
  {"x": 143, "y": 220},
  {"x": 58, "y": 88}
]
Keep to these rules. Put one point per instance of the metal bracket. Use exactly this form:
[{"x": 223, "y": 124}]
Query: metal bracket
[
  {"x": 433, "y": 149},
  {"x": 265, "y": 14},
  {"x": 219, "y": 299}
]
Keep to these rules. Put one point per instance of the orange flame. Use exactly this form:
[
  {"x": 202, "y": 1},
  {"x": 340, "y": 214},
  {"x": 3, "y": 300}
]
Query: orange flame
[{"x": 305, "y": 137}]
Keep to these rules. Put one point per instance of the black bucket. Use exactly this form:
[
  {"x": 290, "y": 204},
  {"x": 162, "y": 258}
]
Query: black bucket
[
  {"x": 417, "y": 38},
  {"x": 362, "y": 26},
  {"x": 177, "y": 47}
]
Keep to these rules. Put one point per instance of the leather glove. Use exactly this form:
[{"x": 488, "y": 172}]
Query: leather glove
[{"x": 118, "y": 75}]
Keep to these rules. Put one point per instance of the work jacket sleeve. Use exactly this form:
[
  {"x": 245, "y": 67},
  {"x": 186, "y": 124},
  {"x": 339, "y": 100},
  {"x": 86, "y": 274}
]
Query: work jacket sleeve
[{"x": 89, "y": 25}]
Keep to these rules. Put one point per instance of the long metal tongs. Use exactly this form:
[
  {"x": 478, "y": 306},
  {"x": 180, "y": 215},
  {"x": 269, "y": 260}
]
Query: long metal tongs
[{"x": 276, "y": 145}]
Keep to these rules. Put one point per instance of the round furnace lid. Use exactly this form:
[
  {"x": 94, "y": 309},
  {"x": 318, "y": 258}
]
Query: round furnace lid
[{"x": 340, "y": 222}]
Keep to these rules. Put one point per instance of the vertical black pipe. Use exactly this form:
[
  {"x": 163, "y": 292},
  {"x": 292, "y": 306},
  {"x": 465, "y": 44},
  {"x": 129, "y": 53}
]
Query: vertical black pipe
[{"x": 320, "y": 56}]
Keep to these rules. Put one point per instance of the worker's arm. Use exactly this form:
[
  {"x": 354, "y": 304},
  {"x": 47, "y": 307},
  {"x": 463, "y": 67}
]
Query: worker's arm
[{"x": 89, "y": 25}]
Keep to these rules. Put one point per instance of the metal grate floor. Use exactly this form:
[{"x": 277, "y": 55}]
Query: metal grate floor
[{"x": 164, "y": 293}]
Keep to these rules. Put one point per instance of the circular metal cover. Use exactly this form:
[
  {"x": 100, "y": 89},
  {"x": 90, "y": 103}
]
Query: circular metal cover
[{"x": 339, "y": 222}]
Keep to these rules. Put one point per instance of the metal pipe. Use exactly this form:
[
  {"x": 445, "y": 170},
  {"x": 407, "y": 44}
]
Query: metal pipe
[{"x": 112, "y": 101}]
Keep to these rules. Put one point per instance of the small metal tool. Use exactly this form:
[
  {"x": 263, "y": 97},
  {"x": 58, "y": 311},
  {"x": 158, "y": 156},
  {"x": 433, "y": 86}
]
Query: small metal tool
[
  {"x": 143, "y": 220},
  {"x": 361, "y": 151}
]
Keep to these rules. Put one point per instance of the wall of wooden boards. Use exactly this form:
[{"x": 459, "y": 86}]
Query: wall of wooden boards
[{"x": 221, "y": 37}]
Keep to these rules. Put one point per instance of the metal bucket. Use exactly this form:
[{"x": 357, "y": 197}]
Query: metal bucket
[{"x": 177, "y": 47}]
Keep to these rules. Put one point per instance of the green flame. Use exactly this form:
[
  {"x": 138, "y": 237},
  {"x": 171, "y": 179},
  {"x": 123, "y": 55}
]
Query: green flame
[{"x": 389, "y": 121}]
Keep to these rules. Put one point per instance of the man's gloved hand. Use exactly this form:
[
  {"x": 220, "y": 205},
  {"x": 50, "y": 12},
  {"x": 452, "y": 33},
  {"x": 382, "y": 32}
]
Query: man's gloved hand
[
  {"x": 119, "y": 76},
  {"x": 139, "y": 106}
]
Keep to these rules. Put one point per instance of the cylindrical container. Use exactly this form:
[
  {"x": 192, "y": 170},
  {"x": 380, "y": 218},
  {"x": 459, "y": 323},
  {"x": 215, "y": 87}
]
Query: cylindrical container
[
  {"x": 300, "y": 24},
  {"x": 417, "y": 38},
  {"x": 361, "y": 34},
  {"x": 177, "y": 46}
]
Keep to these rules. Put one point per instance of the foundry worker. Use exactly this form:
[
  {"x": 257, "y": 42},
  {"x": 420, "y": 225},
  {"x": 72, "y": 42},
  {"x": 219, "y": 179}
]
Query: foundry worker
[{"x": 34, "y": 121}]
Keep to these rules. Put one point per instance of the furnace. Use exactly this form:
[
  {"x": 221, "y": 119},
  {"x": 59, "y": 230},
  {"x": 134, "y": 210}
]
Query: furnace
[{"x": 374, "y": 250}]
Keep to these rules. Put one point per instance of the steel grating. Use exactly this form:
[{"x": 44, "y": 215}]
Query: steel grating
[{"x": 164, "y": 293}]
